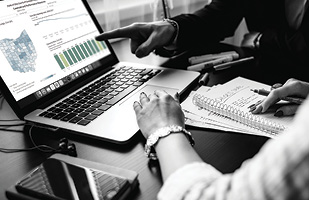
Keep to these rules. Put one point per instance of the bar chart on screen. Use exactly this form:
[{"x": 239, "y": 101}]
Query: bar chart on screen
[
  {"x": 69, "y": 34},
  {"x": 79, "y": 52}
]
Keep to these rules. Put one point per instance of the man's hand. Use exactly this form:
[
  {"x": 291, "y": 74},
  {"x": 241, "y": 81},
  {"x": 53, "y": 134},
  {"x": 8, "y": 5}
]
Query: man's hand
[{"x": 145, "y": 37}]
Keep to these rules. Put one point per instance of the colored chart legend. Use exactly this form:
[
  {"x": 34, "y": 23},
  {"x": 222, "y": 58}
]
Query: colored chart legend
[{"x": 79, "y": 52}]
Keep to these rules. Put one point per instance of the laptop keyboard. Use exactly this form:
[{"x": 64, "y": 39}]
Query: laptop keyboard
[{"x": 86, "y": 105}]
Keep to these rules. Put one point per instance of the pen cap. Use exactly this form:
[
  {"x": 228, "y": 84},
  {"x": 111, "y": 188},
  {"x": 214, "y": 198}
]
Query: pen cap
[{"x": 204, "y": 79}]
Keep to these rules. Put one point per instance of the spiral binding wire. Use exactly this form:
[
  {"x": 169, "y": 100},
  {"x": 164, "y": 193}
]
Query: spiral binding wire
[{"x": 235, "y": 114}]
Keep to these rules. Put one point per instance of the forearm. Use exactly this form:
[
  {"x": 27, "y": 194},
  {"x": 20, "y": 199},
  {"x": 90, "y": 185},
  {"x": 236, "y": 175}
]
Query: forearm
[
  {"x": 278, "y": 171},
  {"x": 174, "y": 151}
]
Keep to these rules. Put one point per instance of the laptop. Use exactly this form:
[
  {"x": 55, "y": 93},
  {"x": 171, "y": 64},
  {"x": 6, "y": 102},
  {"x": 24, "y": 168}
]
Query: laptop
[{"x": 55, "y": 74}]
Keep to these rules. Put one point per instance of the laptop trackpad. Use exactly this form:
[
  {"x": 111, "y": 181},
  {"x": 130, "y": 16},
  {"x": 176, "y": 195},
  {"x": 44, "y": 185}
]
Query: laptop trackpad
[
  {"x": 149, "y": 89},
  {"x": 120, "y": 121}
]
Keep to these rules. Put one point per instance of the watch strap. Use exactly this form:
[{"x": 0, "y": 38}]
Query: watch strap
[{"x": 163, "y": 132}]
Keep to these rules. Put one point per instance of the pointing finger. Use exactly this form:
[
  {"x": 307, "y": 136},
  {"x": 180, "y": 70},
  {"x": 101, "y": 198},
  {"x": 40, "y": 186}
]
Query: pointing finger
[{"x": 125, "y": 32}]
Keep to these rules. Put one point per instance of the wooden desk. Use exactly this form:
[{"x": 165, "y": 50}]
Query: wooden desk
[{"x": 226, "y": 151}]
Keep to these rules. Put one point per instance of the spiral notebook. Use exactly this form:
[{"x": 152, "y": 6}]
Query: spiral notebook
[{"x": 228, "y": 105}]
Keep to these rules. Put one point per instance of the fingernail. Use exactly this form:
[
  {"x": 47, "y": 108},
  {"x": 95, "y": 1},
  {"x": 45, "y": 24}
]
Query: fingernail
[
  {"x": 278, "y": 113},
  {"x": 253, "y": 105},
  {"x": 275, "y": 86},
  {"x": 251, "y": 108}
]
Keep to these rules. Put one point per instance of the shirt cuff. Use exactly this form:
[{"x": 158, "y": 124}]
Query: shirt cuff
[{"x": 180, "y": 182}]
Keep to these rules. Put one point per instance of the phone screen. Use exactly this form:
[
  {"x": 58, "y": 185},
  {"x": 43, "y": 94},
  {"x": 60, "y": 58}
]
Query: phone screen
[{"x": 58, "y": 180}]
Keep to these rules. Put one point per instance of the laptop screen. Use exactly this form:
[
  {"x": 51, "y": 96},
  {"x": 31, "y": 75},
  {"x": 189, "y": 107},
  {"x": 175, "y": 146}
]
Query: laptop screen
[{"x": 46, "y": 44}]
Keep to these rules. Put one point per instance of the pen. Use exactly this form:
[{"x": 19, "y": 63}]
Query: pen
[
  {"x": 166, "y": 9},
  {"x": 232, "y": 63},
  {"x": 204, "y": 58},
  {"x": 210, "y": 64},
  {"x": 264, "y": 92},
  {"x": 204, "y": 79}
]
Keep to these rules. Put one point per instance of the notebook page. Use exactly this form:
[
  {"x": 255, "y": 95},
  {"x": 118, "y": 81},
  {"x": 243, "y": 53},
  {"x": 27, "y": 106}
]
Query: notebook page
[
  {"x": 237, "y": 93},
  {"x": 202, "y": 118}
]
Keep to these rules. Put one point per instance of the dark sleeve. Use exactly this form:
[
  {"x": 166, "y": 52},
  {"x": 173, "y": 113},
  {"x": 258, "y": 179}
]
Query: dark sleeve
[
  {"x": 210, "y": 24},
  {"x": 291, "y": 47}
]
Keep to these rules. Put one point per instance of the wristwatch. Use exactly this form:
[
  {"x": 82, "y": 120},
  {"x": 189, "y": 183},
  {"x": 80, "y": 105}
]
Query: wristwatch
[{"x": 163, "y": 132}]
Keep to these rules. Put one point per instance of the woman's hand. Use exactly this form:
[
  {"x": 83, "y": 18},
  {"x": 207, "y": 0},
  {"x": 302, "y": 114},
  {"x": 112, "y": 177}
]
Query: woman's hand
[
  {"x": 292, "y": 87},
  {"x": 157, "y": 110}
]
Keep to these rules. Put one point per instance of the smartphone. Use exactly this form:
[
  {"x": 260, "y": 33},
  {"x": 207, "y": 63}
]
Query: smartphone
[{"x": 57, "y": 180}]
